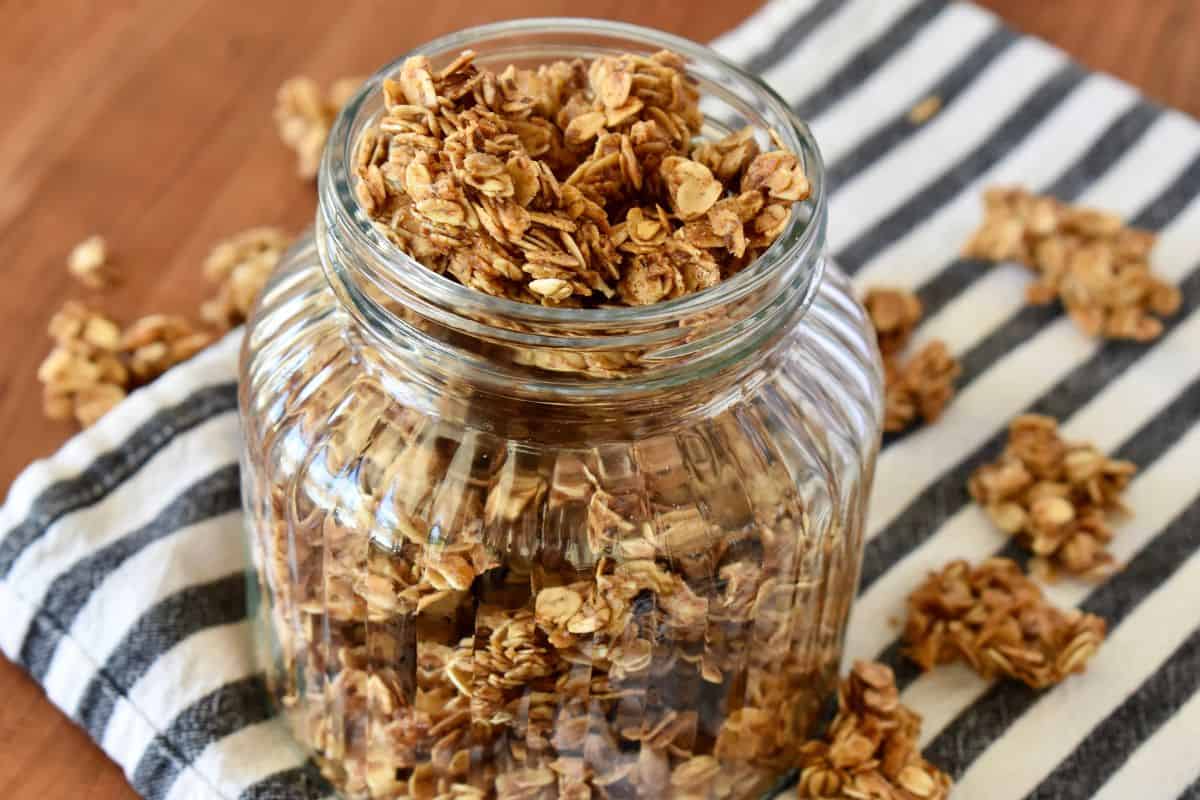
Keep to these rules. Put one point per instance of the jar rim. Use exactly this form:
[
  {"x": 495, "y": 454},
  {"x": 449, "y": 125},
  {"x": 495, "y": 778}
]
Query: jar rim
[{"x": 799, "y": 242}]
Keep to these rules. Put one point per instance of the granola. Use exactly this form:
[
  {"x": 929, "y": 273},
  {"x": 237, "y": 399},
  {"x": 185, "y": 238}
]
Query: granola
[
  {"x": 88, "y": 263},
  {"x": 304, "y": 114},
  {"x": 95, "y": 363},
  {"x": 1055, "y": 497},
  {"x": 572, "y": 184},
  {"x": 870, "y": 749},
  {"x": 1098, "y": 267},
  {"x": 240, "y": 266},
  {"x": 997, "y": 620},
  {"x": 922, "y": 386}
]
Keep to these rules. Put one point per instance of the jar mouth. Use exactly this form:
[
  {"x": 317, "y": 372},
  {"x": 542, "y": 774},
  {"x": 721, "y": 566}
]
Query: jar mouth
[{"x": 795, "y": 253}]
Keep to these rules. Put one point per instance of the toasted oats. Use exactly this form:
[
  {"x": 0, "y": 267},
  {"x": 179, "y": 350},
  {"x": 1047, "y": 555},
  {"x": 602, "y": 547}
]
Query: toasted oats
[
  {"x": 870, "y": 748},
  {"x": 1086, "y": 258},
  {"x": 511, "y": 183},
  {"x": 1054, "y": 497},
  {"x": 88, "y": 263},
  {"x": 240, "y": 266},
  {"x": 998, "y": 621},
  {"x": 303, "y": 117},
  {"x": 923, "y": 385}
]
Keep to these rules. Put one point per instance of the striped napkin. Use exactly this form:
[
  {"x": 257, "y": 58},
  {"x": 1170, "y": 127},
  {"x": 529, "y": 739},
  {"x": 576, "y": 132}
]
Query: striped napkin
[{"x": 121, "y": 562}]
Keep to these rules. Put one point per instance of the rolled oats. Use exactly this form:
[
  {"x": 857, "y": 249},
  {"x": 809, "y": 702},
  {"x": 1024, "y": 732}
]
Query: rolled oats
[
  {"x": 88, "y": 263},
  {"x": 870, "y": 748},
  {"x": 1054, "y": 497},
  {"x": 304, "y": 115},
  {"x": 998, "y": 621},
  {"x": 240, "y": 266},
  {"x": 569, "y": 184},
  {"x": 1088, "y": 259},
  {"x": 923, "y": 385}
]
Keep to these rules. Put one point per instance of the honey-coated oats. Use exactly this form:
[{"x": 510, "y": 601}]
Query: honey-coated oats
[
  {"x": 1055, "y": 497},
  {"x": 1091, "y": 261},
  {"x": 571, "y": 184},
  {"x": 997, "y": 620}
]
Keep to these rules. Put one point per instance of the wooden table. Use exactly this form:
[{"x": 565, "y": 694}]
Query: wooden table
[{"x": 151, "y": 122}]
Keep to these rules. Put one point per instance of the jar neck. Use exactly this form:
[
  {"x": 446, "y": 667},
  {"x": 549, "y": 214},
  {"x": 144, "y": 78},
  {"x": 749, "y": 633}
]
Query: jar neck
[{"x": 627, "y": 358}]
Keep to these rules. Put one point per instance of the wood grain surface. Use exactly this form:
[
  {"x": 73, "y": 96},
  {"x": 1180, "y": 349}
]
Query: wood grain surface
[{"x": 150, "y": 121}]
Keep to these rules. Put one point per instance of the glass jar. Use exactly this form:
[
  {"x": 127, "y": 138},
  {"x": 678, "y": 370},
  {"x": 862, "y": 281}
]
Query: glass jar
[{"x": 506, "y": 550}]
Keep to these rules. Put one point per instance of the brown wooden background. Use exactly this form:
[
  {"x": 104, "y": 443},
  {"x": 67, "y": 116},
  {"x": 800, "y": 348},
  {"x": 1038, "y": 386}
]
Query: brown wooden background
[{"x": 150, "y": 122}]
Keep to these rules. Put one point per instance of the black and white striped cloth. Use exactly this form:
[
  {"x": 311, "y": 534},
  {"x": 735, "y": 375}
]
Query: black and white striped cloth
[{"x": 121, "y": 562}]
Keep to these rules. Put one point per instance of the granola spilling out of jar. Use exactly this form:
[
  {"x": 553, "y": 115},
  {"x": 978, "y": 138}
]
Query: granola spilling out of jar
[
  {"x": 870, "y": 749},
  {"x": 573, "y": 184},
  {"x": 1055, "y": 497},
  {"x": 1098, "y": 267},
  {"x": 922, "y": 385},
  {"x": 996, "y": 619}
]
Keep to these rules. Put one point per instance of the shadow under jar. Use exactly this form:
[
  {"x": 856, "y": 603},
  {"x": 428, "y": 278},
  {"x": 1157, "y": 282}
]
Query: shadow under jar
[{"x": 506, "y": 550}]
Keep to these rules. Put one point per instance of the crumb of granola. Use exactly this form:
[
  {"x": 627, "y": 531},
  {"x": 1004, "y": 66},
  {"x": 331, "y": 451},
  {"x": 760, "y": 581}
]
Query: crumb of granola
[
  {"x": 925, "y": 110},
  {"x": 870, "y": 749},
  {"x": 1088, "y": 259},
  {"x": 88, "y": 263},
  {"x": 569, "y": 184},
  {"x": 240, "y": 266},
  {"x": 922, "y": 386},
  {"x": 1055, "y": 497},
  {"x": 996, "y": 619},
  {"x": 304, "y": 114}
]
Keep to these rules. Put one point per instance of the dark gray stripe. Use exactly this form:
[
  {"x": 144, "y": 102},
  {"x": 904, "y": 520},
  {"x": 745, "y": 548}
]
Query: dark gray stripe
[
  {"x": 1105, "y": 152},
  {"x": 1112, "y": 742},
  {"x": 900, "y": 128},
  {"x": 793, "y": 35},
  {"x": 216, "y": 494},
  {"x": 114, "y": 467},
  {"x": 985, "y": 721},
  {"x": 870, "y": 59},
  {"x": 221, "y": 713},
  {"x": 300, "y": 783},
  {"x": 926, "y": 512},
  {"x": 958, "y": 177},
  {"x": 159, "y": 630},
  {"x": 1192, "y": 792}
]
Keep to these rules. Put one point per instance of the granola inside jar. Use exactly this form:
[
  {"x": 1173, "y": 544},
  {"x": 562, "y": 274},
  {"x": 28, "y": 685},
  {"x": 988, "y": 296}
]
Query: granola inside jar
[{"x": 515, "y": 550}]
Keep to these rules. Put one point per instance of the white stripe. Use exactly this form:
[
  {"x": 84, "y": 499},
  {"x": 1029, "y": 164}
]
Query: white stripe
[
  {"x": 1011, "y": 768},
  {"x": 1062, "y": 138},
  {"x": 1167, "y": 760},
  {"x": 237, "y": 762},
  {"x": 195, "y": 667},
  {"x": 18, "y": 614},
  {"x": 1159, "y": 496},
  {"x": 889, "y": 91},
  {"x": 1166, "y": 370},
  {"x": 136, "y": 502},
  {"x": 908, "y": 168},
  {"x": 195, "y": 555},
  {"x": 833, "y": 44},
  {"x": 217, "y": 364},
  {"x": 755, "y": 34}
]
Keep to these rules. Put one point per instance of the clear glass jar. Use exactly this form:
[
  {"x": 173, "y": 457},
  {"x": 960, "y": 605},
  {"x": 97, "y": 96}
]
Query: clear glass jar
[{"x": 507, "y": 550}]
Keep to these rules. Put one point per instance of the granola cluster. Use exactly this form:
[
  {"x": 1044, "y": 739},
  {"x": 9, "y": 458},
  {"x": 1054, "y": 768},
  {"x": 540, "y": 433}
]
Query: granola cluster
[
  {"x": 870, "y": 749},
  {"x": 240, "y": 266},
  {"x": 1054, "y": 497},
  {"x": 923, "y": 385},
  {"x": 1088, "y": 259},
  {"x": 996, "y": 619},
  {"x": 88, "y": 263},
  {"x": 95, "y": 363},
  {"x": 304, "y": 114},
  {"x": 572, "y": 184}
]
